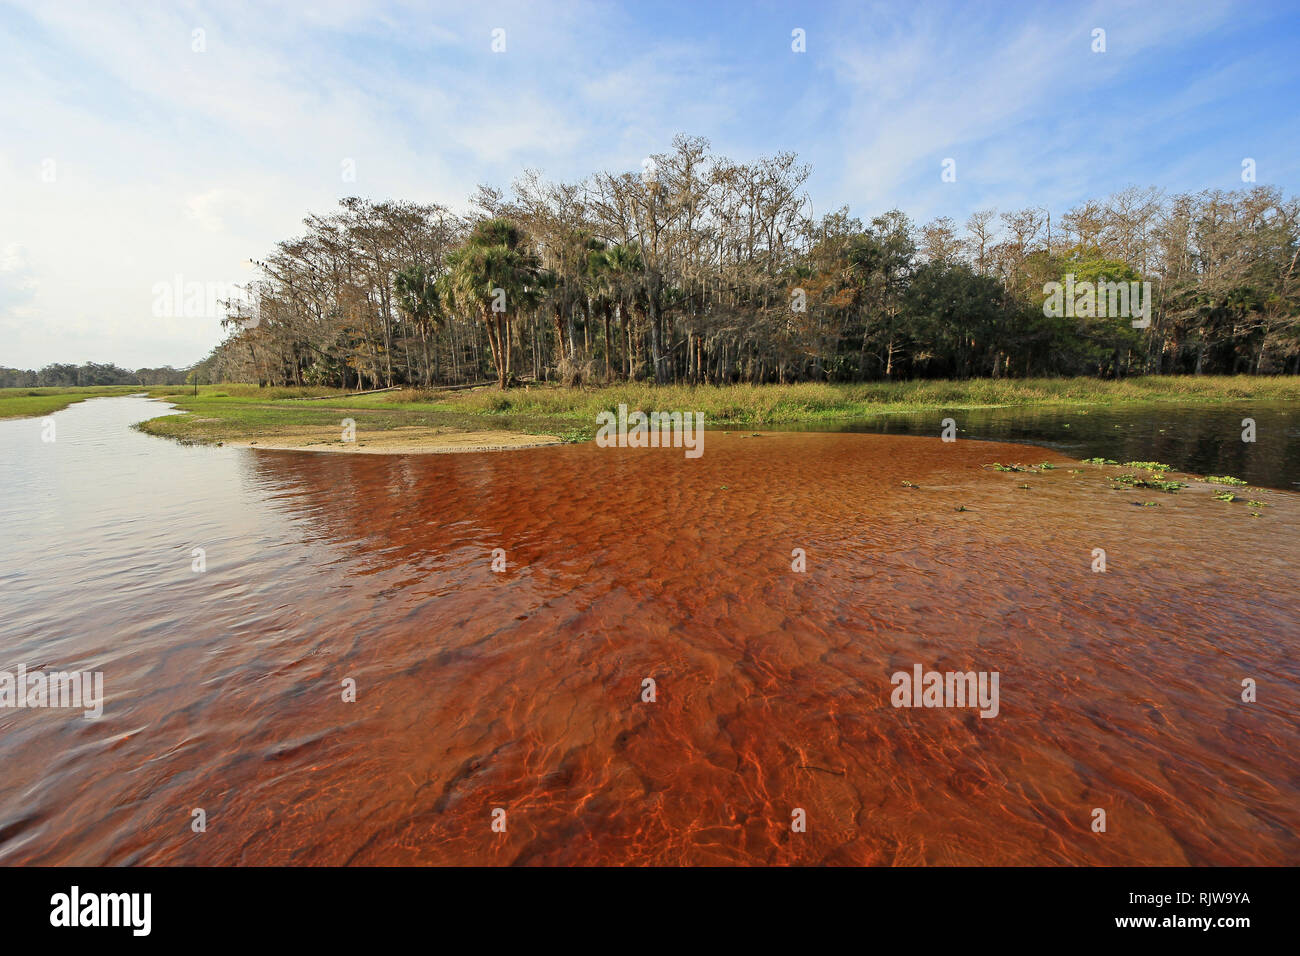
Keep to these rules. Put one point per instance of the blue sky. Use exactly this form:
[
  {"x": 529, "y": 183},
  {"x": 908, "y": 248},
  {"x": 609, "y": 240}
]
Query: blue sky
[{"x": 128, "y": 158}]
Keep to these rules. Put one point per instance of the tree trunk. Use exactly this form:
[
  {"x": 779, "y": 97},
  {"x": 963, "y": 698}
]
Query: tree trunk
[
  {"x": 559, "y": 334},
  {"x": 609, "y": 346},
  {"x": 492, "y": 344}
]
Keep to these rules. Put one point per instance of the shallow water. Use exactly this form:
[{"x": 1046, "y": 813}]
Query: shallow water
[{"x": 522, "y": 690}]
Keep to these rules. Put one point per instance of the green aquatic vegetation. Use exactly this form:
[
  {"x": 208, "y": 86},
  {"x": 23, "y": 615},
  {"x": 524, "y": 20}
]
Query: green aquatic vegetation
[
  {"x": 1147, "y": 465},
  {"x": 1255, "y": 504},
  {"x": 1100, "y": 461},
  {"x": 1223, "y": 480},
  {"x": 960, "y": 508},
  {"x": 1133, "y": 481},
  {"x": 998, "y": 466},
  {"x": 1150, "y": 504},
  {"x": 1046, "y": 466},
  {"x": 1225, "y": 496}
]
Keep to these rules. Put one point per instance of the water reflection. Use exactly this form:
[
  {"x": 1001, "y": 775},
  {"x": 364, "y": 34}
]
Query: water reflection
[{"x": 1205, "y": 440}]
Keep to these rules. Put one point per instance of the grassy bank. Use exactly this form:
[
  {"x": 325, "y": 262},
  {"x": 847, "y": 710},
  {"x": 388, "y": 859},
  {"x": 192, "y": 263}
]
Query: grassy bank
[
  {"x": 242, "y": 412},
  {"x": 222, "y": 413},
  {"x": 34, "y": 402},
  {"x": 788, "y": 404}
]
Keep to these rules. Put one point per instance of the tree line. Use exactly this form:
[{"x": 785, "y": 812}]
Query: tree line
[
  {"x": 62, "y": 375},
  {"x": 699, "y": 269}
]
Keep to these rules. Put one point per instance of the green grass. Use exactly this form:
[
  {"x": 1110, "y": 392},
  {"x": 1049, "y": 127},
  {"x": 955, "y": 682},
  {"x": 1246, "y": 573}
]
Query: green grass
[
  {"x": 244, "y": 411},
  {"x": 811, "y": 402},
  {"x": 35, "y": 402},
  {"x": 220, "y": 413}
]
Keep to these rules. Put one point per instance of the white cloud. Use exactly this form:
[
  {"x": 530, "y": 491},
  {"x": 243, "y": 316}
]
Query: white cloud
[{"x": 175, "y": 162}]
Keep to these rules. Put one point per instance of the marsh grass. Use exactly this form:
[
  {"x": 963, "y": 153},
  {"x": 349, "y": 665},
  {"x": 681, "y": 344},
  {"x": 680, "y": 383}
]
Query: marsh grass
[
  {"x": 242, "y": 410},
  {"x": 811, "y": 402}
]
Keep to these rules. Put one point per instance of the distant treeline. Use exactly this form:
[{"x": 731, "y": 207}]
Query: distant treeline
[
  {"x": 91, "y": 373},
  {"x": 699, "y": 269}
]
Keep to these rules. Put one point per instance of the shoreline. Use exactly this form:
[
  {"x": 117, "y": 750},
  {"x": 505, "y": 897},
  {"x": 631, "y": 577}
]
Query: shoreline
[
  {"x": 402, "y": 441},
  {"x": 232, "y": 412}
]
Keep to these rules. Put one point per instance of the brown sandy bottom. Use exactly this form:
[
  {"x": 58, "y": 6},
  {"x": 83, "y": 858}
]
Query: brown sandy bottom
[
  {"x": 407, "y": 440},
  {"x": 522, "y": 690}
]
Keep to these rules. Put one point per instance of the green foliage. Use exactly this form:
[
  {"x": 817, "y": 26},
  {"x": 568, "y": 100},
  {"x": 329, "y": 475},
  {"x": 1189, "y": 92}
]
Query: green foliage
[{"x": 1135, "y": 482}]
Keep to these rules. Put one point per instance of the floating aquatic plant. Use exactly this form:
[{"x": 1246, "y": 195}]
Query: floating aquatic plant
[
  {"x": 998, "y": 466},
  {"x": 1133, "y": 481}
]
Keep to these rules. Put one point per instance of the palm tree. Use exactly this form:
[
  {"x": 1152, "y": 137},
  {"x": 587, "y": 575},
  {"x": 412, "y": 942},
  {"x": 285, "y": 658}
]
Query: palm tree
[
  {"x": 596, "y": 280},
  {"x": 571, "y": 286},
  {"x": 496, "y": 275},
  {"x": 624, "y": 277},
  {"x": 418, "y": 298}
]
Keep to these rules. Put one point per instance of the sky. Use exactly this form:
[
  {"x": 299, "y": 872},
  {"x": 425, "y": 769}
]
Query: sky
[{"x": 144, "y": 143}]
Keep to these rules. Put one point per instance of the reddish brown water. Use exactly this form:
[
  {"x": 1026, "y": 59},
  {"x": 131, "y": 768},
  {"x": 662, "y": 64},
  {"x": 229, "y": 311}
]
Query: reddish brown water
[{"x": 522, "y": 690}]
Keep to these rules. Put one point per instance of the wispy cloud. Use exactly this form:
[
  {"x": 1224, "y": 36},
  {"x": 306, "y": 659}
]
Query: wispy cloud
[{"x": 179, "y": 152}]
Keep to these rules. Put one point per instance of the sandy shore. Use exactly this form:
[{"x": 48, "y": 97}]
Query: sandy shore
[{"x": 411, "y": 440}]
